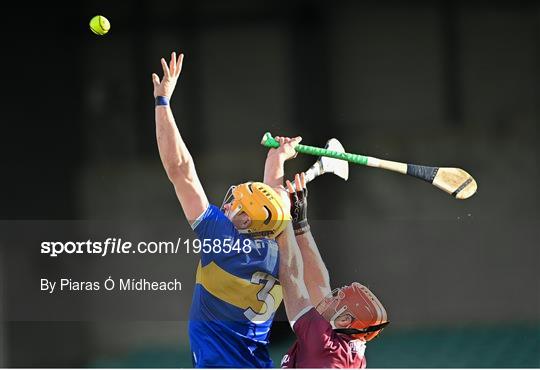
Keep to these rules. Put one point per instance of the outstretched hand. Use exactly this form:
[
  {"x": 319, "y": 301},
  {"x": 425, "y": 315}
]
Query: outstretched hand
[
  {"x": 171, "y": 71},
  {"x": 299, "y": 184}
]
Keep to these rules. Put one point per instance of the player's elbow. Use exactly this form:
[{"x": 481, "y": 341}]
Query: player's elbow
[
  {"x": 180, "y": 170},
  {"x": 325, "y": 283},
  {"x": 295, "y": 288}
]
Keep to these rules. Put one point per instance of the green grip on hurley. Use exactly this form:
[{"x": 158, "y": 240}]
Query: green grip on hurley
[{"x": 269, "y": 142}]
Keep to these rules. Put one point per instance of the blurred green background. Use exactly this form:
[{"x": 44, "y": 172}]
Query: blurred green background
[{"x": 506, "y": 346}]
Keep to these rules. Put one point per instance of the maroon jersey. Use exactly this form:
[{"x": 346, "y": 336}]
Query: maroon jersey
[{"x": 318, "y": 346}]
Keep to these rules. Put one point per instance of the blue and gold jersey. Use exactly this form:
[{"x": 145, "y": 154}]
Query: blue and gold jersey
[{"x": 235, "y": 297}]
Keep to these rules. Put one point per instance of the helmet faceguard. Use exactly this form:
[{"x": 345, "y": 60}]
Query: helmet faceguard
[
  {"x": 228, "y": 198},
  {"x": 368, "y": 314}
]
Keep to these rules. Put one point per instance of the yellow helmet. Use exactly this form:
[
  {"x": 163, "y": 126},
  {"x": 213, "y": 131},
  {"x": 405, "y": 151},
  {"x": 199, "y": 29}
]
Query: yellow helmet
[{"x": 263, "y": 205}]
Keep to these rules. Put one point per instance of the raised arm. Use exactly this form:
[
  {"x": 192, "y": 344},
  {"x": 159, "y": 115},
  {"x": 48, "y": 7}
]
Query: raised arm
[
  {"x": 291, "y": 275},
  {"x": 174, "y": 154},
  {"x": 316, "y": 275}
]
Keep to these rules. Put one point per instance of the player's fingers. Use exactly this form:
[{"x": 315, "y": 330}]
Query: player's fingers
[
  {"x": 179, "y": 64},
  {"x": 172, "y": 63},
  {"x": 295, "y": 141},
  {"x": 155, "y": 80},
  {"x": 290, "y": 187},
  {"x": 303, "y": 180},
  {"x": 297, "y": 182},
  {"x": 166, "y": 72}
]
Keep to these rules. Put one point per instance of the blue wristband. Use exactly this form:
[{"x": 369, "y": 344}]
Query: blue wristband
[{"x": 162, "y": 100}]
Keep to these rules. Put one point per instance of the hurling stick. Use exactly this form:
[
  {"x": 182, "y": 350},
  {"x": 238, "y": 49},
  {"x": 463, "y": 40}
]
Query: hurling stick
[{"x": 454, "y": 181}]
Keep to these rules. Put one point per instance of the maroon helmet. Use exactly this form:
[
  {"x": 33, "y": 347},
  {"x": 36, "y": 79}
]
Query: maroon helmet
[{"x": 367, "y": 312}]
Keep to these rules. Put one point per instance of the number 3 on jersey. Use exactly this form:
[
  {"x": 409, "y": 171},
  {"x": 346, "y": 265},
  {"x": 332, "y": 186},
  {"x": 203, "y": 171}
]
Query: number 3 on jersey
[{"x": 263, "y": 296}]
